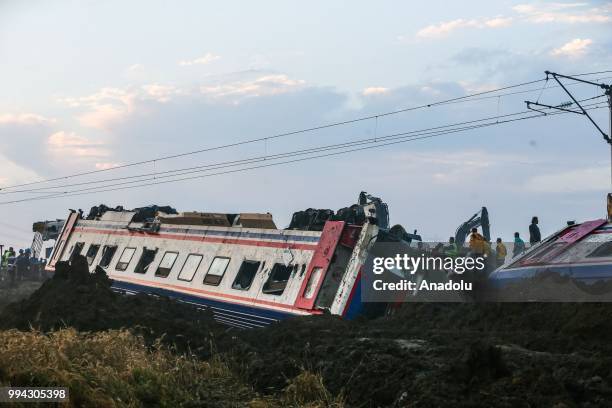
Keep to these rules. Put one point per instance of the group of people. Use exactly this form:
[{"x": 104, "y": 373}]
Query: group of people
[
  {"x": 479, "y": 246},
  {"x": 534, "y": 238},
  {"x": 15, "y": 267}
]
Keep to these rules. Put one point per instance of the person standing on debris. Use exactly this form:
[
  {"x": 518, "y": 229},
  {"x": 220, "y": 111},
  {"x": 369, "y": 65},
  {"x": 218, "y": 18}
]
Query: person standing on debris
[
  {"x": 451, "y": 248},
  {"x": 477, "y": 244},
  {"x": 519, "y": 245},
  {"x": 11, "y": 268},
  {"x": 35, "y": 269},
  {"x": 534, "y": 231},
  {"x": 22, "y": 264},
  {"x": 9, "y": 253},
  {"x": 500, "y": 252}
]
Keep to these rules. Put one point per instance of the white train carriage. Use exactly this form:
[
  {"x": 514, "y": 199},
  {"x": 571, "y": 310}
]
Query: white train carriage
[{"x": 249, "y": 276}]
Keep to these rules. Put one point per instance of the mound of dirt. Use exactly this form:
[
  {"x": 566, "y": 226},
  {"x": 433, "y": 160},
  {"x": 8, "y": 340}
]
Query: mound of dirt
[
  {"x": 75, "y": 298},
  {"x": 445, "y": 355},
  {"x": 426, "y": 354}
]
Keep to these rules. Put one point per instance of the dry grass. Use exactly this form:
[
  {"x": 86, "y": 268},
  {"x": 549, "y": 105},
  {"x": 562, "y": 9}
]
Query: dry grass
[
  {"x": 304, "y": 391},
  {"x": 116, "y": 369}
]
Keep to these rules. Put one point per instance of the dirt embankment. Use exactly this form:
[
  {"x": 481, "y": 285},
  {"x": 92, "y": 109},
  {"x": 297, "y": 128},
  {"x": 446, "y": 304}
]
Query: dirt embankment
[
  {"x": 21, "y": 291},
  {"x": 444, "y": 355},
  {"x": 75, "y": 298},
  {"x": 447, "y": 355}
]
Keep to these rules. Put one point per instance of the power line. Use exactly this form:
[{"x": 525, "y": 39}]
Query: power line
[
  {"x": 280, "y": 135},
  {"x": 214, "y": 166},
  {"x": 440, "y": 133},
  {"x": 236, "y": 162}
]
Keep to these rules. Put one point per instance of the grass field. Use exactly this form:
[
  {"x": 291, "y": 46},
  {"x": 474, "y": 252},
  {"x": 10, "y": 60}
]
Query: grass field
[{"x": 116, "y": 369}]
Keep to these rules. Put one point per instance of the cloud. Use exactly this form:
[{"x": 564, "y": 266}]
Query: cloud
[
  {"x": 135, "y": 68},
  {"x": 13, "y": 173},
  {"x": 569, "y": 13},
  {"x": 205, "y": 59},
  {"x": 264, "y": 85},
  {"x": 106, "y": 166},
  {"x": 23, "y": 137},
  {"x": 374, "y": 90},
  {"x": 24, "y": 118},
  {"x": 161, "y": 93},
  {"x": 571, "y": 181},
  {"x": 69, "y": 144},
  {"x": 573, "y": 49},
  {"x": 453, "y": 167},
  {"x": 498, "y": 22},
  {"x": 445, "y": 28},
  {"x": 106, "y": 106},
  {"x": 111, "y": 105}
]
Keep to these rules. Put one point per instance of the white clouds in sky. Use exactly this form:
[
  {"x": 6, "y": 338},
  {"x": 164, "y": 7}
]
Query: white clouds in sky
[
  {"x": 24, "y": 119},
  {"x": 570, "y": 13},
  {"x": 273, "y": 84},
  {"x": 106, "y": 165},
  {"x": 135, "y": 68},
  {"x": 13, "y": 173},
  {"x": 537, "y": 13},
  {"x": 445, "y": 28},
  {"x": 374, "y": 90},
  {"x": 203, "y": 60},
  {"x": 573, "y": 49},
  {"x": 571, "y": 181},
  {"x": 108, "y": 106},
  {"x": 69, "y": 144}
]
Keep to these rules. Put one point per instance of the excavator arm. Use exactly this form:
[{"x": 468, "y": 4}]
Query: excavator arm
[{"x": 480, "y": 219}]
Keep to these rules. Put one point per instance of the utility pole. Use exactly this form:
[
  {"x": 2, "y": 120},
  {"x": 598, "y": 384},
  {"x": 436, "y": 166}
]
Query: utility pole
[
  {"x": 610, "y": 108},
  {"x": 566, "y": 106}
]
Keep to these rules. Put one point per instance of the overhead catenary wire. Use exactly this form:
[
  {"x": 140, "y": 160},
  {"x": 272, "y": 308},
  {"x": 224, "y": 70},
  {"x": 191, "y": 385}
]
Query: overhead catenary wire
[
  {"x": 276, "y": 136},
  {"x": 236, "y": 162},
  {"x": 291, "y": 154},
  {"x": 214, "y": 166},
  {"x": 440, "y": 133}
]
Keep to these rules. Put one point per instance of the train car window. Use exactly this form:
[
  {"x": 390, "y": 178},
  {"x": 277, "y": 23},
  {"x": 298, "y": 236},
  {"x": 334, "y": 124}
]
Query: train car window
[
  {"x": 166, "y": 264},
  {"x": 92, "y": 251},
  {"x": 190, "y": 267},
  {"x": 543, "y": 254},
  {"x": 216, "y": 270},
  {"x": 78, "y": 247},
  {"x": 108, "y": 252},
  {"x": 245, "y": 275},
  {"x": 602, "y": 251},
  {"x": 125, "y": 259},
  {"x": 279, "y": 276},
  {"x": 145, "y": 261}
]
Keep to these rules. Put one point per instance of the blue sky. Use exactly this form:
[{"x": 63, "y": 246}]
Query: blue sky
[{"x": 88, "y": 85}]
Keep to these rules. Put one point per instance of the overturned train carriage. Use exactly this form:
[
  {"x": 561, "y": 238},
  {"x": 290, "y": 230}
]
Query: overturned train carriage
[
  {"x": 248, "y": 272},
  {"x": 581, "y": 252}
]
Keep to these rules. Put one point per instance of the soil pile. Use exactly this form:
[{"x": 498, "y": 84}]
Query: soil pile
[
  {"x": 10, "y": 295},
  {"x": 426, "y": 354},
  {"x": 446, "y": 355},
  {"x": 75, "y": 298}
]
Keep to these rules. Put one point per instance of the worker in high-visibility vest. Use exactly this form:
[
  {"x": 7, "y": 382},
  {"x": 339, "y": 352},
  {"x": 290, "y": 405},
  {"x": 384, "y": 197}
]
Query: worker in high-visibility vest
[
  {"x": 478, "y": 244},
  {"x": 451, "y": 249},
  {"x": 9, "y": 253}
]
